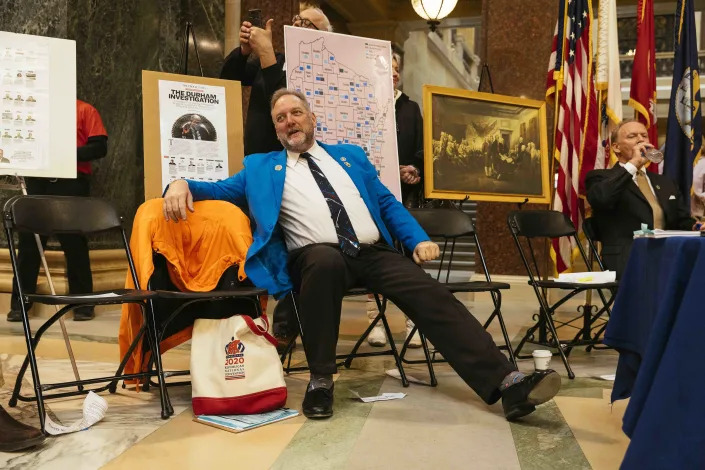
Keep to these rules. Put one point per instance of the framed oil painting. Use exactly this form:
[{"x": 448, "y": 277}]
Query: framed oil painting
[{"x": 484, "y": 146}]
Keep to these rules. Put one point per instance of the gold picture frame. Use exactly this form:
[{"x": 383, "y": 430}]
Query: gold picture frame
[{"x": 484, "y": 146}]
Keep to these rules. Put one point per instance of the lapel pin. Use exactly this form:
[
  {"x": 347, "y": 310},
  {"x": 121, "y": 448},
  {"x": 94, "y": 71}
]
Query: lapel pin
[
  {"x": 347, "y": 164},
  {"x": 658, "y": 187},
  {"x": 343, "y": 159},
  {"x": 278, "y": 167}
]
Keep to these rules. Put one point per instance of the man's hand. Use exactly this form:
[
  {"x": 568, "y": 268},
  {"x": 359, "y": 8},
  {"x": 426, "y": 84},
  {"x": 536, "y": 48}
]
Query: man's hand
[
  {"x": 176, "y": 200},
  {"x": 637, "y": 159},
  {"x": 245, "y": 32},
  {"x": 409, "y": 174},
  {"x": 261, "y": 42},
  {"x": 426, "y": 251}
]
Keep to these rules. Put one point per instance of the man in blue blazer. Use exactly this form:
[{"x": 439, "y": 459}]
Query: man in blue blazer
[{"x": 323, "y": 222}]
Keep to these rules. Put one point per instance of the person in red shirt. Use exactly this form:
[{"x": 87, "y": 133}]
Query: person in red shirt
[{"x": 92, "y": 143}]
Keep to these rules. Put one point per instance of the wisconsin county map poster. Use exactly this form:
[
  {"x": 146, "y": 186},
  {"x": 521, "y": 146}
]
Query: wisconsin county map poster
[{"x": 348, "y": 83}]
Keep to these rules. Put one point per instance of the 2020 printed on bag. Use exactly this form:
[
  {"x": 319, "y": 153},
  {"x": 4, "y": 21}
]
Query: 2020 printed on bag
[{"x": 235, "y": 368}]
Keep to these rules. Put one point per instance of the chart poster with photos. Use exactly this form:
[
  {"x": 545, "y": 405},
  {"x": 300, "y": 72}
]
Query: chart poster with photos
[
  {"x": 192, "y": 129},
  {"x": 37, "y": 106}
]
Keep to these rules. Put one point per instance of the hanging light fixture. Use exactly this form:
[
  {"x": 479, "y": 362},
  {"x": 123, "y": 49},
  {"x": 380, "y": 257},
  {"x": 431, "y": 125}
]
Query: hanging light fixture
[{"x": 433, "y": 11}]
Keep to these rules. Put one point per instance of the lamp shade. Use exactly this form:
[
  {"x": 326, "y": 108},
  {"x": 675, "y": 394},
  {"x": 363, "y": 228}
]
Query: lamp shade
[{"x": 433, "y": 10}]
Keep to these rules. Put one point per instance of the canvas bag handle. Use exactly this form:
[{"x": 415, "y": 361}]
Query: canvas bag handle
[{"x": 258, "y": 329}]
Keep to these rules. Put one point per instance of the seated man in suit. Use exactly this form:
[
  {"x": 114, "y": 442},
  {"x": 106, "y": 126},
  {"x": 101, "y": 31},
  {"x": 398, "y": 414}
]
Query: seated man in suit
[
  {"x": 626, "y": 196},
  {"x": 323, "y": 223}
]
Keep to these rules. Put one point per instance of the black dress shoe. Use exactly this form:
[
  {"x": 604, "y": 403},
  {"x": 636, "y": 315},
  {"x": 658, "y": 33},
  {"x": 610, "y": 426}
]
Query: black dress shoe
[
  {"x": 14, "y": 315},
  {"x": 15, "y": 435},
  {"x": 83, "y": 314},
  {"x": 521, "y": 398},
  {"x": 318, "y": 403}
]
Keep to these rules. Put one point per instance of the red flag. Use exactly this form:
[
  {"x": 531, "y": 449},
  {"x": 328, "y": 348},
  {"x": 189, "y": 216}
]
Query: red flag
[
  {"x": 577, "y": 124},
  {"x": 642, "y": 96}
]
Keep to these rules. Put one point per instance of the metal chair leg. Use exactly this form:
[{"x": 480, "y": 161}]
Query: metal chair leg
[
  {"x": 112, "y": 388},
  {"x": 552, "y": 329},
  {"x": 392, "y": 345},
  {"x": 157, "y": 355},
  {"x": 32, "y": 359},
  {"x": 426, "y": 353}
]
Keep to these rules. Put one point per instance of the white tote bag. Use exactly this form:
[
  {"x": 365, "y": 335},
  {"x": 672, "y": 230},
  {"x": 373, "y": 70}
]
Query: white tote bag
[{"x": 235, "y": 368}]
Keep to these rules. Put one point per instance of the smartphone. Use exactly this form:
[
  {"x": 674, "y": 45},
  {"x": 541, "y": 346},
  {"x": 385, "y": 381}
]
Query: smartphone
[{"x": 254, "y": 16}]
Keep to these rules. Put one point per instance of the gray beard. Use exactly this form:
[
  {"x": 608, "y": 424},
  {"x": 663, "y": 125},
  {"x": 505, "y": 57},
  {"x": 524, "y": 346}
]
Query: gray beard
[{"x": 300, "y": 148}]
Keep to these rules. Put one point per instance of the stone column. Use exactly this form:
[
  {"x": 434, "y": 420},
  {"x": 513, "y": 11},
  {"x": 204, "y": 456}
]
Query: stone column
[
  {"x": 233, "y": 20},
  {"x": 516, "y": 44}
]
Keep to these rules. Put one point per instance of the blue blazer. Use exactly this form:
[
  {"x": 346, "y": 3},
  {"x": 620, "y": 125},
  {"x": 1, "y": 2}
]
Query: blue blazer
[{"x": 257, "y": 189}]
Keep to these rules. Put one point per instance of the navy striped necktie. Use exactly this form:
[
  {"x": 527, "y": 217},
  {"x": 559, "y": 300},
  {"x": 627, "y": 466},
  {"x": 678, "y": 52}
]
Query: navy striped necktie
[{"x": 343, "y": 227}]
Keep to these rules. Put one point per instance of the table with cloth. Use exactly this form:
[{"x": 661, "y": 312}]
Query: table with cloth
[{"x": 658, "y": 327}]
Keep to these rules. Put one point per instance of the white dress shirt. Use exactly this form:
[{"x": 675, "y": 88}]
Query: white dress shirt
[
  {"x": 305, "y": 216},
  {"x": 633, "y": 171}
]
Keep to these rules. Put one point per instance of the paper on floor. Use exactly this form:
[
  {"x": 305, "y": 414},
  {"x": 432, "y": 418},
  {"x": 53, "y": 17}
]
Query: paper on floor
[
  {"x": 597, "y": 277},
  {"x": 94, "y": 408},
  {"x": 395, "y": 374},
  {"x": 383, "y": 397}
]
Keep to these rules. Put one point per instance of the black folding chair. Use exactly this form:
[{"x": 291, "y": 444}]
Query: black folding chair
[
  {"x": 450, "y": 225},
  {"x": 542, "y": 224},
  {"x": 592, "y": 236},
  {"x": 52, "y": 215},
  {"x": 175, "y": 310},
  {"x": 346, "y": 359}
]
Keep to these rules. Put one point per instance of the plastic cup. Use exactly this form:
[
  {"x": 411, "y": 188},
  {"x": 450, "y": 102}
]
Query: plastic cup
[{"x": 542, "y": 358}]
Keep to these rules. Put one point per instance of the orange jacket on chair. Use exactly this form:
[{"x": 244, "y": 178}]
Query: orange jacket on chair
[{"x": 198, "y": 251}]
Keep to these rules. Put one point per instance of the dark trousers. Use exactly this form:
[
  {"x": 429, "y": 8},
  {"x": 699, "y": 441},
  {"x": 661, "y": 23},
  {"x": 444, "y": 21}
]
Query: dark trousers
[
  {"x": 322, "y": 274},
  {"x": 75, "y": 247}
]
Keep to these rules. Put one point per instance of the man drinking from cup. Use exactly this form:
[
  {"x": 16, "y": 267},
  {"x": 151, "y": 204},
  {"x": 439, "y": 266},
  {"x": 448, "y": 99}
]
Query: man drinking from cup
[{"x": 626, "y": 196}]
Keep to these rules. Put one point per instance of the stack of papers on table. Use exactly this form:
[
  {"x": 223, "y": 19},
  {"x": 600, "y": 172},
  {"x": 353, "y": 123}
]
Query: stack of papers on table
[
  {"x": 645, "y": 232},
  {"x": 239, "y": 423},
  {"x": 597, "y": 277},
  {"x": 674, "y": 233}
]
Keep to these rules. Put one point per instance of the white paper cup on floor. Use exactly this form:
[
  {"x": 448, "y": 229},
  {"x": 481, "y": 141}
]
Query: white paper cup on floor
[{"x": 542, "y": 358}]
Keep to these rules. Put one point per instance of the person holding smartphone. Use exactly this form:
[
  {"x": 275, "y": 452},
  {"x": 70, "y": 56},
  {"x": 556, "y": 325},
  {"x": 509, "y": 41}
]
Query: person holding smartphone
[{"x": 257, "y": 65}]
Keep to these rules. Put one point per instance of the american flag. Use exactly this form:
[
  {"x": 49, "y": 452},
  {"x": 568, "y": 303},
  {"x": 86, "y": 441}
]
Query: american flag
[{"x": 577, "y": 124}]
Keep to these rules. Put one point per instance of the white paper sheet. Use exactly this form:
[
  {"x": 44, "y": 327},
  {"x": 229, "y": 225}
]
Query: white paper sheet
[
  {"x": 383, "y": 397},
  {"x": 597, "y": 277},
  {"x": 94, "y": 409},
  {"x": 395, "y": 374}
]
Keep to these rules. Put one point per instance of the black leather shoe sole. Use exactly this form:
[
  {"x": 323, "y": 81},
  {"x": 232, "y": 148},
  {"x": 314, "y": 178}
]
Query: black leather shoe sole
[
  {"x": 521, "y": 399},
  {"x": 545, "y": 389},
  {"x": 19, "y": 445},
  {"x": 318, "y": 414}
]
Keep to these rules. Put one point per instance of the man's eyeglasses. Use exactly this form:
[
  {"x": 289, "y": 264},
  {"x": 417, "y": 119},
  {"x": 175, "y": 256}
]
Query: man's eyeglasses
[{"x": 303, "y": 22}]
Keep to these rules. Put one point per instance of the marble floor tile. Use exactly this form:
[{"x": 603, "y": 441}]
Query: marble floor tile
[
  {"x": 597, "y": 426},
  {"x": 130, "y": 417},
  {"x": 184, "y": 443},
  {"x": 447, "y": 427}
]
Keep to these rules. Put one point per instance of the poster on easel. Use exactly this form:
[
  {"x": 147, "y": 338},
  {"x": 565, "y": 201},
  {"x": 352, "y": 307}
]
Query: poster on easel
[
  {"x": 192, "y": 129},
  {"x": 37, "y": 106}
]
